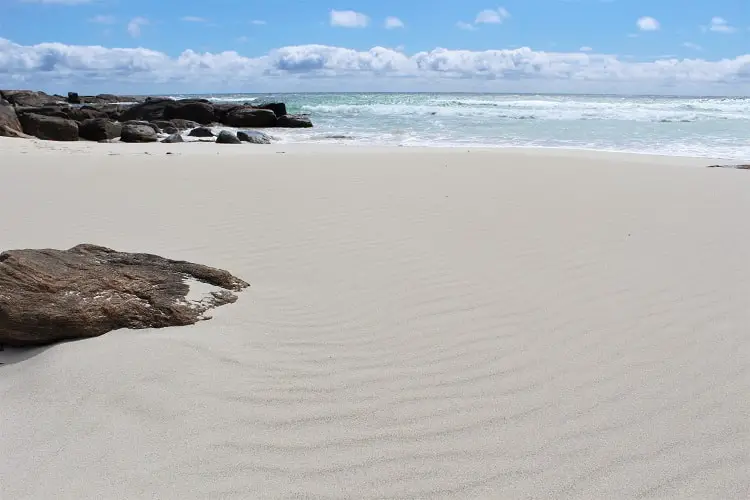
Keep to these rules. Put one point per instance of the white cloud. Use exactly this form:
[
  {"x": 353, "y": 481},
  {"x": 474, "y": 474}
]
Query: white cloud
[
  {"x": 466, "y": 26},
  {"x": 585, "y": 49},
  {"x": 492, "y": 16},
  {"x": 103, "y": 20},
  {"x": 720, "y": 25},
  {"x": 193, "y": 19},
  {"x": 647, "y": 23},
  {"x": 393, "y": 23},
  {"x": 56, "y": 66},
  {"x": 134, "y": 26},
  {"x": 349, "y": 19}
]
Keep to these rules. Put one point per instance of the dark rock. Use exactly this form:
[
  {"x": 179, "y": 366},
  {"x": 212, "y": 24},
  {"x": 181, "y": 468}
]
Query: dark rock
[
  {"x": 254, "y": 137},
  {"x": 152, "y": 125},
  {"x": 294, "y": 121},
  {"x": 222, "y": 110},
  {"x": 9, "y": 124},
  {"x": 201, "y": 132},
  {"x": 184, "y": 124},
  {"x": 226, "y": 137},
  {"x": 138, "y": 132},
  {"x": 150, "y": 109},
  {"x": 51, "y": 128},
  {"x": 73, "y": 98},
  {"x": 174, "y": 138},
  {"x": 85, "y": 113},
  {"x": 113, "y": 111},
  {"x": 49, "y": 296},
  {"x": 28, "y": 98},
  {"x": 195, "y": 110},
  {"x": 279, "y": 108},
  {"x": 78, "y": 114},
  {"x": 99, "y": 129},
  {"x": 250, "y": 117}
]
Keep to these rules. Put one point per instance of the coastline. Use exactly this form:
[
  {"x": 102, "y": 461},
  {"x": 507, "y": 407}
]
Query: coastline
[{"x": 469, "y": 323}]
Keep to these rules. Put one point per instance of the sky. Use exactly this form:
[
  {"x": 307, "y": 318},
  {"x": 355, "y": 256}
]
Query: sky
[{"x": 581, "y": 46}]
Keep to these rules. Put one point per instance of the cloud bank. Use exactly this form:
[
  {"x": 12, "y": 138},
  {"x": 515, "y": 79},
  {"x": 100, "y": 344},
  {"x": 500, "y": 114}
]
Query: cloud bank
[{"x": 60, "y": 67}]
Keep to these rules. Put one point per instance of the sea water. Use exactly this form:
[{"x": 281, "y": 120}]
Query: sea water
[{"x": 691, "y": 126}]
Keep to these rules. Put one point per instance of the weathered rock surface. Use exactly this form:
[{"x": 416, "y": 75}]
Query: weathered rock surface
[
  {"x": 136, "y": 132},
  {"x": 254, "y": 137},
  {"x": 150, "y": 109},
  {"x": 48, "y": 296},
  {"x": 28, "y": 97},
  {"x": 250, "y": 117},
  {"x": 201, "y": 132},
  {"x": 294, "y": 121},
  {"x": 227, "y": 137},
  {"x": 279, "y": 108},
  {"x": 99, "y": 129},
  {"x": 51, "y": 128},
  {"x": 181, "y": 124},
  {"x": 172, "y": 139},
  {"x": 200, "y": 111},
  {"x": 9, "y": 124},
  {"x": 78, "y": 114},
  {"x": 151, "y": 125}
]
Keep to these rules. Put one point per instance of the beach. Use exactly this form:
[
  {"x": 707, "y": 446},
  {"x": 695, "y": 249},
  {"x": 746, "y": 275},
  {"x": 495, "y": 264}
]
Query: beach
[{"x": 421, "y": 323}]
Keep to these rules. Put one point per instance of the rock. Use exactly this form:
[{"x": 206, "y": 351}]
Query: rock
[
  {"x": 49, "y": 296},
  {"x": 99, "y": 129},
  {"x": 150, "y": 109},
  {"x": 201, "y": 132},
  {"x": 78, "y": 114},
  {"x": 145, "y": 124},
  {"x": 9, "y": 124},
  {"x": 294, "y": 121},
  {"x": 278, "y": 108},
  {"x": 51, "y": 128},
  {"x": 113, "y": 111},
  {"x": 195, "y": 110},
  {"x": 254, "y": 137},
  {"x": 226, "y": 137},
  {"x": 250, "y": 117},
  {"x": 221, "y": 111},
  {"x": 181, "y": 124},
  {"x": 73, "y": 98},
  {"x": 174, "y": 138},
  {"x": 28, "y": 98},
  {"x": 137, "y": 132}
]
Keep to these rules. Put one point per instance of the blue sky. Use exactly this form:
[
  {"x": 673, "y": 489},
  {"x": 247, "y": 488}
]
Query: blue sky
[{"x": 328, "y": 45}]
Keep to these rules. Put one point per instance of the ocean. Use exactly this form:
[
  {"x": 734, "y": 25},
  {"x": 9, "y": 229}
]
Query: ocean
[{"x": 683, "y": 126}]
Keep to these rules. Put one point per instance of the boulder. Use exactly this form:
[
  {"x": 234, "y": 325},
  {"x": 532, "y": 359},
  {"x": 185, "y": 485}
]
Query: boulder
[
  {"x": 99, "y": 129},
  {"x": 9, "y": 124},
  {"x": 172, "y": 139},
  {"x": 254, "y": 137},
  {"x": 51, "y": 128},
  {"x": 278, "y": 108},
  {"x": 195, "y": 110},
  {"x": 49, "y": 296},
  {"x": 78, "y": 114},
  {"x": 150, "y": 109},
  {"x": 113, "y": 111},
  {"x": 144, "y": 123},
  {"x": 201, "y": 132},
  {"x": 250, "y": 117},
  {"x": 181, "y": 124},
  {"x": 227, "y": 137},
  {"x": 294, "y": 121},
  {"x": 221, "y": 110},
  {"x": 74, "y": 98},
  {"x": 28, "y": 98},
  {"x": 137, "y": 132}
]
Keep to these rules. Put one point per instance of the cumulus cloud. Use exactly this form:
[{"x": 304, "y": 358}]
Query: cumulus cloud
[
  {"x": 134, "y": 26},
  {"x": 316, "y": 67},
  {"x": 720, "y": 25},
  {"x": 647, "y": 23},
  {"x": 349, "y": 19},
  {"x": 492, "y": 16},
  {"x": 392, "y": 23}
]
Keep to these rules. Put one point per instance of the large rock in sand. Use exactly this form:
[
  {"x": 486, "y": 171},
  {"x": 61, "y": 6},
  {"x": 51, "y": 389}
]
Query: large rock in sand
[
  {"x": 99, "y": 129},
  {"x": 253, "y": 137},
  {"x": 48, "y": 296},
  {"x": 227, "y": 137},
  {"x": 138, "y": 132},
  {"x": 9, "y": 124},
  {"x": 250, "y": 117},
  {"x": 50, "y": 128}
]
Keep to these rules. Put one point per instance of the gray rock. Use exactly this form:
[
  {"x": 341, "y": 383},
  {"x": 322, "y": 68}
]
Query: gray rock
[
  {"x": 50, "y": 128},
  {"x": 28, "y": 98},
  {"x": 201, "y": 132},
  {"x": 254, "y": 137},
  {"x": 172, "y": 139},
  {"x": 226, "y": 137},
  {"x": 9, "y": 124},
  {"x": 294, "y": 121},
  {"x": 48, "y": 296},
  {"x": 134, "y": 132},
  {"x": 99, "y": 129},
  {"x": 250, "y": 117},
  {"x": 145, "y": 124}
]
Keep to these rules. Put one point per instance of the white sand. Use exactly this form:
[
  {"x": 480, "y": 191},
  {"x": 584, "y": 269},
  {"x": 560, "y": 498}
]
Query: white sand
[{"x": 421, "y": 324}]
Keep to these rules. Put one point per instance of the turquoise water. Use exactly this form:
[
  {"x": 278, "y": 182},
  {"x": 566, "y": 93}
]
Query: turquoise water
[{"x": 695, "y": 126}]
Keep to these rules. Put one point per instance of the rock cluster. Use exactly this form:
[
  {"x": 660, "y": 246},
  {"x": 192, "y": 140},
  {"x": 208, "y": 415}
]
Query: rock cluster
[
  {"x": 107, "y": 117},
  {"x": 48, "y": 296}
]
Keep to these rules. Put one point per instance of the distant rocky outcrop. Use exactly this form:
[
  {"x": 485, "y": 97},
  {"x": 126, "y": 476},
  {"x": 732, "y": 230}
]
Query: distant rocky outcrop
[{"x": 48, "y": 296}]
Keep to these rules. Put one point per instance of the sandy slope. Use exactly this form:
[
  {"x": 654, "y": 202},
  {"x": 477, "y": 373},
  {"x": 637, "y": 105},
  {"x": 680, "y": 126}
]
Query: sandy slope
[{"x": 421, "y": 324}]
